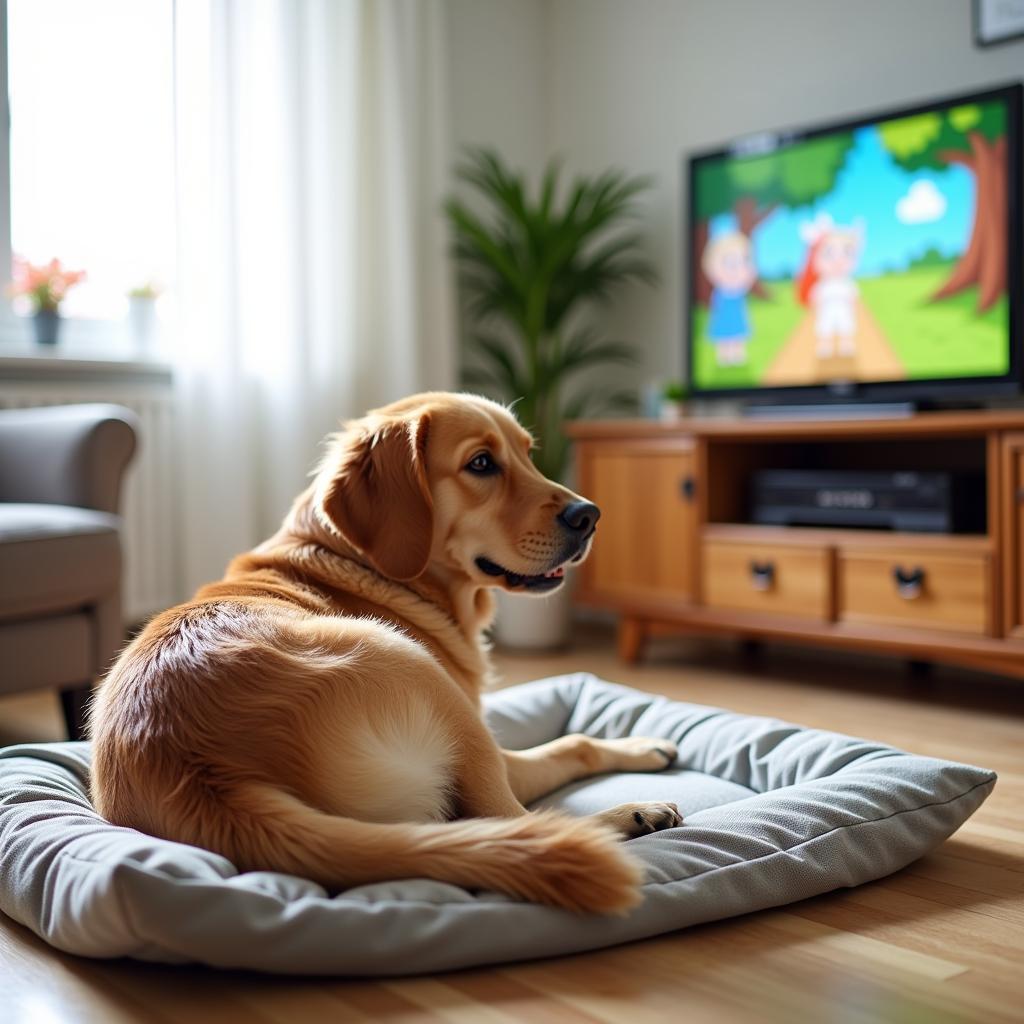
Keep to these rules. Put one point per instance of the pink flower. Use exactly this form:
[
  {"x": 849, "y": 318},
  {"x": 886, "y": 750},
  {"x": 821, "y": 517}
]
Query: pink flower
[{"x": 44, "y": 286}]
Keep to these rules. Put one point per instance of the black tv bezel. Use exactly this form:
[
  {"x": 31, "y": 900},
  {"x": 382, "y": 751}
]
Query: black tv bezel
[{"x": 922, "y": 390}]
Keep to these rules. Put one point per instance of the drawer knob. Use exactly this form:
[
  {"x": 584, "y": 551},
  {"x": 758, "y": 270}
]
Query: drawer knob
[
  {"x": 688, "y": 487},
  {"x": 909, "y": 585},
  {"x": 762, "y": 575}
]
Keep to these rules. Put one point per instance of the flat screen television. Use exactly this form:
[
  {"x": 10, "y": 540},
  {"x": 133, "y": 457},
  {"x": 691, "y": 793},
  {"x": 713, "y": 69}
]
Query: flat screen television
[{"x": 876, "y": 259}]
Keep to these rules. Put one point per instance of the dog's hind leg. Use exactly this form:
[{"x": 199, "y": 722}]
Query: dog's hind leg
[
  {"x": 484, "y": 790},
  {"x": 481, "y": 780}
]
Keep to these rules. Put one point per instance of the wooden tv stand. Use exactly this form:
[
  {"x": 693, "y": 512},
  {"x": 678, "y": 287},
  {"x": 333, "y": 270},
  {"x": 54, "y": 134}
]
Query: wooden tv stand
[{"x": 675, "y": 548}]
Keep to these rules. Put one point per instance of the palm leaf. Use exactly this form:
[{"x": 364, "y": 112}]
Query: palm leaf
[
  {"x": 484, "y": 170},
  {"x": 501, "y": 363},
  {"x": 477, "y": 377},
  {"x": 486, "y": 249},
  {"x": 596, "y": 275},
  {"x": 547, "y": 192},
  {"x": 584, "y": 349}
]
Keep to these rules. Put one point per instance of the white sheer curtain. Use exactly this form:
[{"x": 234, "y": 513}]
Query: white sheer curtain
[{"x": 314, "y": 282}]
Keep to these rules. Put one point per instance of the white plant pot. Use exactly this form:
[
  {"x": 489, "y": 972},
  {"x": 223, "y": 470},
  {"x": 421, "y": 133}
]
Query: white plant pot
[
  {"x": 533, "y": 623},
  {"x": 672, "y": 412},
  {"x": 143, "y": 323}
]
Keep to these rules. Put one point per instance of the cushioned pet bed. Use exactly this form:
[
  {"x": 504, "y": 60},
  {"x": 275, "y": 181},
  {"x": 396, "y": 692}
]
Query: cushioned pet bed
[{"x": 774, "y": 813}]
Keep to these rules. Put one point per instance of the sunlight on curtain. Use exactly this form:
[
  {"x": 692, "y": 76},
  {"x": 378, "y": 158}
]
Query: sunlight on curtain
[{"x": 312, "y": 158}]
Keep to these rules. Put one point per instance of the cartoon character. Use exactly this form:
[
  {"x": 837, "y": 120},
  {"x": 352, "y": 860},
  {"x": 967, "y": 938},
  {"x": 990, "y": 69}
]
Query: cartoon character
[
  {"x": 826, "y": 283},
  {"x": 729, "y": 265}
]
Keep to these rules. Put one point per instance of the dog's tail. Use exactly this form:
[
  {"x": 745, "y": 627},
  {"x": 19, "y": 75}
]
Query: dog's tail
[{"x": 545, "y": 857}]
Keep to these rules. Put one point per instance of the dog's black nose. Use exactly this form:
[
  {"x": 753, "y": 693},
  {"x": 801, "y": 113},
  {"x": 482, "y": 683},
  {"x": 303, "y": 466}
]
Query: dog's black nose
[{"x": 580, "y": 516}]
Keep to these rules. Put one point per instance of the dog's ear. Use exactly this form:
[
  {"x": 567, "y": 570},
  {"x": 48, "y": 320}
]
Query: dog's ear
[{"x": 378, "y": 498}]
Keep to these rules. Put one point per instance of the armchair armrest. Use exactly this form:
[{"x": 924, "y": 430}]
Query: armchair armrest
[{"x": 66, "y": 454}]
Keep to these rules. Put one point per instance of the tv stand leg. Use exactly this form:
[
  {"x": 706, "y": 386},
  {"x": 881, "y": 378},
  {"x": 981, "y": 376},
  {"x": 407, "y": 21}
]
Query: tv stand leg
[
  {"x": 920, "y": 671},
  {"x": 632, "y": 634},
  {"x": 751, "y": 649},
  {"x": 920, "y": 675}
]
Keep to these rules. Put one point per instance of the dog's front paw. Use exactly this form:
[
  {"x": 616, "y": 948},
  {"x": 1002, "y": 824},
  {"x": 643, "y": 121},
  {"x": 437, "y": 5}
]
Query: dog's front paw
[{"x": 640, "y": 819}]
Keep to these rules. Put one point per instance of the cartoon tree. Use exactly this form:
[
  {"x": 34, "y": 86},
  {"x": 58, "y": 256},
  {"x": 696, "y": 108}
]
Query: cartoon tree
[
  {"x": 971, "y": 136},
  {"x": 752, "y": 187}
]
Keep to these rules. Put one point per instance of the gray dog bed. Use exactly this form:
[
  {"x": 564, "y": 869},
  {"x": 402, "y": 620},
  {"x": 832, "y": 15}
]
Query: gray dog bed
[{"x": 774, "y": 813}]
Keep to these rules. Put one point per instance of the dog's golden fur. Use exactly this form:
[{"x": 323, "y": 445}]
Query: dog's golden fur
[{"x": 317, "y": 711}]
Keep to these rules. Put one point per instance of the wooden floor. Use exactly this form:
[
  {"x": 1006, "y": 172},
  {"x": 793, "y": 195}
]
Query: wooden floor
[{"x": 941, "y": 941}]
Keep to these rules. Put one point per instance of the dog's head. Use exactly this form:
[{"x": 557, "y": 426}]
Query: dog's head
[{"x": 446, "y": 481}]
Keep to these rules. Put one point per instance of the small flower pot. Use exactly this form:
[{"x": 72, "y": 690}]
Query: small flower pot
[
  {"x": 46, "y": 325},
  {"x": 143, "y": 323},
  {"x": 672, "y": 411}
]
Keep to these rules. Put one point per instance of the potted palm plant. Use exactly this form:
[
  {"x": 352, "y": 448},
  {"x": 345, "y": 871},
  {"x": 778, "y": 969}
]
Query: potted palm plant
[{"x": 533, "y": 265}]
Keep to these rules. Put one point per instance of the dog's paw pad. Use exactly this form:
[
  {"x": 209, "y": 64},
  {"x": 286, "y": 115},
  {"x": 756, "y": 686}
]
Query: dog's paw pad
[
  {"x": 641, "y": 819},
  {"x": 656, "y": 817}
]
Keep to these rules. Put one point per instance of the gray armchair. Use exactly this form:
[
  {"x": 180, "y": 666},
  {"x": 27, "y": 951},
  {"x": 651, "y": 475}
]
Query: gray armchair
[{"x": 60, "y": 550}]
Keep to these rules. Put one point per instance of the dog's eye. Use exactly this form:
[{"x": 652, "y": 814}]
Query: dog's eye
[{"x": 482, "y": 464}]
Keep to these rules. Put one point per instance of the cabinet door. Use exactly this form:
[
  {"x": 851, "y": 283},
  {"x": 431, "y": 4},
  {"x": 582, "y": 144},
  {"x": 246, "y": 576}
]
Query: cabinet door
[
  {"x": 1017, "y": 527},
  {"x": 646, "y": 540},
  {"x": 1013, "y": 534}
]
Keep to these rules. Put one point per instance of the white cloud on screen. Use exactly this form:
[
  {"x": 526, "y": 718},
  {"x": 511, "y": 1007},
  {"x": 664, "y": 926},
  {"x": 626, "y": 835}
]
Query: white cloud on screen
[{"x": 922, "y": 204}]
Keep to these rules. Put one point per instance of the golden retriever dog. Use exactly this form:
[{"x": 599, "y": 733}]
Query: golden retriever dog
[{"x": 317, "y": 711}]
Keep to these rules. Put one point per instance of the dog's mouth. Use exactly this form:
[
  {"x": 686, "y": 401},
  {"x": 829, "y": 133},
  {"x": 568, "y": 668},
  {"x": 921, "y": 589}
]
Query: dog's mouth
[{"x": 514, "y": 580}]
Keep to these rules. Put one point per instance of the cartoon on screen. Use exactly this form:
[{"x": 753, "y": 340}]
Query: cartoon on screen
[
  {"x": 729, "y": 266},
  {"x": 873, "y": 254},
  {"x": 827, "y": 288}
]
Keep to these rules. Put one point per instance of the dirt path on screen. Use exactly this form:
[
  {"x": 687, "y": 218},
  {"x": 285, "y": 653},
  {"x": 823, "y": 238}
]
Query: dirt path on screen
[{"x": 799, "y": 363}]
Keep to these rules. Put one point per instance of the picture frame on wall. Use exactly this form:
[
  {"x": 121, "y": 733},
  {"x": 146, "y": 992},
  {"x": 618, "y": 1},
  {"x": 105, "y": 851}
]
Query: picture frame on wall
[{"x": 997, "y": 21}]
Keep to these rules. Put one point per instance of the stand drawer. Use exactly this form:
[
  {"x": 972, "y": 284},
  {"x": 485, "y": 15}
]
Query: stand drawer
[
  {"x": 920, "y": 588},
  {"x": 767, "y": 578}
]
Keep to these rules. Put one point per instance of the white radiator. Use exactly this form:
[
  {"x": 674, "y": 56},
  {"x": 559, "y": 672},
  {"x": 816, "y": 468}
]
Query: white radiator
[{"x": 151, "y": 538}]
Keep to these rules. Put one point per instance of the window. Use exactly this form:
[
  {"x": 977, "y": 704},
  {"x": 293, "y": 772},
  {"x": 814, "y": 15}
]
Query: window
[{"x": 91, "y": 153}]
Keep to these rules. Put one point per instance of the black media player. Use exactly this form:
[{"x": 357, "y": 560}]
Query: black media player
[{"x": 932, "y": 502}]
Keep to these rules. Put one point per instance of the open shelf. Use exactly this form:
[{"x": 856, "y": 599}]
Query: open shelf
[{"x": 733, "y": 462}]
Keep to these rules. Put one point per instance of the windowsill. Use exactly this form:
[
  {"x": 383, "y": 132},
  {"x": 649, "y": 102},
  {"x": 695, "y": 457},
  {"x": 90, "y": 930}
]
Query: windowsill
[
  {"x": 26, "y": 360},
  {"x": 87, "y": 350}
]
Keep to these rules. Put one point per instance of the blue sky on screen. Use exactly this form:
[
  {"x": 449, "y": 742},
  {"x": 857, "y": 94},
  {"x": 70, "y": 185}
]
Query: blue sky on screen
[{"x": 903, "y": 213}]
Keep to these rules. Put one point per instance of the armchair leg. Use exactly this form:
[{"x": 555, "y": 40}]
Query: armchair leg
[{"x": 73, "y": 703}]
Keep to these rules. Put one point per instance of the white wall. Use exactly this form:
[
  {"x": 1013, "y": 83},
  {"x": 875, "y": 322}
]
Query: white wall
[
  {"x": 496, "y": 61},
  {"x": 637, "y": 83},
  {"x": 496, "y": 67}
]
